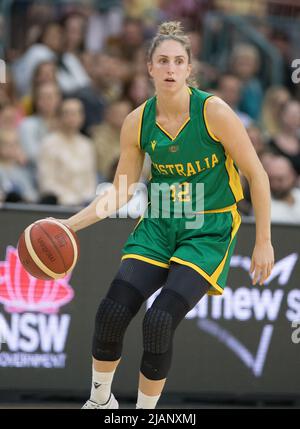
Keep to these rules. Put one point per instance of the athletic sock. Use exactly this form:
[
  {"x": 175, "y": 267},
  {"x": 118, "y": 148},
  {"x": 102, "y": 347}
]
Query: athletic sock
[
  {"x": 101, "y": 386},
  {"x": 145, "y": 401}
]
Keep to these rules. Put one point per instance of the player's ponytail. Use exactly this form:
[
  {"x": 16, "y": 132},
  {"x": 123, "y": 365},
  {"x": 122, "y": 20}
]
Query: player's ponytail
[{"x": 171, "y": 28}]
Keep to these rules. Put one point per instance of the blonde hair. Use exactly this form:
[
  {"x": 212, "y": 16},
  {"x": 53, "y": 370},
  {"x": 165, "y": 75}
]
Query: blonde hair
[
  {"x": 274, "y": 100},
  {"x": 171, "y": 30},
  {"x": 245, "y": 50}
]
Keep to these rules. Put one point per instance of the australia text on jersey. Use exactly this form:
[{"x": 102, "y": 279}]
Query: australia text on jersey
[{"x": 189, "y": 168}]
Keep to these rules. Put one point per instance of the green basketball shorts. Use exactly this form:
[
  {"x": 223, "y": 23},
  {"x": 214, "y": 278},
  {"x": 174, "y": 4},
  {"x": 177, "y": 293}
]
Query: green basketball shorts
[{"x": 207, "y": 249}]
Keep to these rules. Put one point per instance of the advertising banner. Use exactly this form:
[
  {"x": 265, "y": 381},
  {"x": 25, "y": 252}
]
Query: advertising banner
[{"x": 246, "y": 342}]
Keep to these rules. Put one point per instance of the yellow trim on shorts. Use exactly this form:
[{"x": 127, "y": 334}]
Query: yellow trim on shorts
[
  {"x": 145, "y": 259},
  {"x": 236, "y": 221},
  {"x": 140, "y": 125},
  {"x": 195, "y": 267},
  {"x": 211, "y": 134}
]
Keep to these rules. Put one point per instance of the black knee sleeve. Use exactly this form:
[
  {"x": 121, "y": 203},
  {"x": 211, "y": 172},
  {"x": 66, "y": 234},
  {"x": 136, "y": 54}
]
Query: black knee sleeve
[
  {"x": 114, "y": 314},
  {"x": 159, "y": 326}
]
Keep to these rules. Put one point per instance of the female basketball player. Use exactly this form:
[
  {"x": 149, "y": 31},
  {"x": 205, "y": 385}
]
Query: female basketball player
[{"x": 192, "y": 138}]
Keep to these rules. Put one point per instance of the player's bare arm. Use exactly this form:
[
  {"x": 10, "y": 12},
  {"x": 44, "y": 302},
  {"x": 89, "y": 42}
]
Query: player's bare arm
[
  {"x": 227, "y": 127},
  {"x": 130, "y": 165}
]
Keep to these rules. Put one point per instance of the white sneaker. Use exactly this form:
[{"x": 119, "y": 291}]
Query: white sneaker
[{"x": 112, "y": 403}]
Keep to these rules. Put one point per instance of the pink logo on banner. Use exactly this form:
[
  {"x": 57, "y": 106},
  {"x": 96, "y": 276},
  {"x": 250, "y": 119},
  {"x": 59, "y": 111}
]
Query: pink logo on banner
[{"x": 19, "y": 291}]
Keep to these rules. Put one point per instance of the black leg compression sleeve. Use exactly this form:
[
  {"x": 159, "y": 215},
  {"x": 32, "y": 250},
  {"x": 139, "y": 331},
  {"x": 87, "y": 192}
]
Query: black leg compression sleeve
[
  {"x": 183, "y": 289},
  {"x": 133, "y": 284},
  {"x": 114, "y": 314},
  {"x": 159, "y": 326}
]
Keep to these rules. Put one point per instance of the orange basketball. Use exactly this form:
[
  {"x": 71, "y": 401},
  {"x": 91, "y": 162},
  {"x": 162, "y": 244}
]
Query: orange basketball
[{"x": 48, "y": 249}]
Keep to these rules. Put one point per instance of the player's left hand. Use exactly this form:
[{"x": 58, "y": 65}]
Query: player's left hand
[{"x": 262, "y": 262}]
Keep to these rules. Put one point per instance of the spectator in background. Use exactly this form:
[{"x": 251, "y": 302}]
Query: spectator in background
[
  {"x": 105, "y": 88},
  {"x": 26, "y": 19},
  {"x": 108, "y": 73},
  {"x": 287, "y": 141},
  {"x": 147, "y": 10},
  {"x": 46, "y": 101},
  {"x": 285, "y": 201},
  {"x": 245, "y": 63},
  {"x": 8, "y": 96},
  {"x": 15, "y": 180},
  {"x": 49, "y": 45},
  {"x": 230, "y": 88},
  {"x": 74, "y": 25},
  {"x": 106, "y": 136},
  {"x": 140, "y": 61},
  {"x": 71, "y": 74},
  {"x": 88, "y": 59},
  {"x": 257, "y": 138},
  {"x": 45, "y": 72},
  {"x": 107, "y": 142},
  {"x": 243, "y": 7},
  {"x": 66, "y": 167},
  {"x": 189, "y": 12},
  {"x": 105, "y": 79},
  {"x": 131, "y": 38},
  {"x": 106, "y": 21},
  {"x": 205, "y": 74},
  {"x": 138, "y": 89},
  {"x": 141, "y": 8},
  {"x": 274, "y": 99},
  {"x": 282, "y": 40},
  {"x": 9, "y": 116}
]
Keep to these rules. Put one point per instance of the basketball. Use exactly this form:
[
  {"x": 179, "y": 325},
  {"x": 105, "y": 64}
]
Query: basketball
[{"x": 48, "y": 249}]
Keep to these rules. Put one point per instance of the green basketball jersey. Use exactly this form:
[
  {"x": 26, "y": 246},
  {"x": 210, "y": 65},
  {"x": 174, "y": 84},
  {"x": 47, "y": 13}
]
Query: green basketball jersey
[{"x": 193, "y": 157}]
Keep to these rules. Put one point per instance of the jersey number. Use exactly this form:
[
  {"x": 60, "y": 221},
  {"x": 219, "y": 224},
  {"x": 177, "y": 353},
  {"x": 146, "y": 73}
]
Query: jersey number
[{"x": 182, "y": 194}]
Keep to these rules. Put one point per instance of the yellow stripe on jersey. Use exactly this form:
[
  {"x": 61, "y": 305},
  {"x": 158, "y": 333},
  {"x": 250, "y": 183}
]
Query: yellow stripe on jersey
[
  {"x": 140, "y": 125},
  {"x": 206, "y": 123},
  {"x": 178, "y": 132},
  {"x": 164, "y": 131},
  {"x": 234, "y": 178}
]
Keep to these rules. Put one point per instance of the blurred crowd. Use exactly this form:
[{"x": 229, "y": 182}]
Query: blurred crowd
[{"x": 76, "y": 70}]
